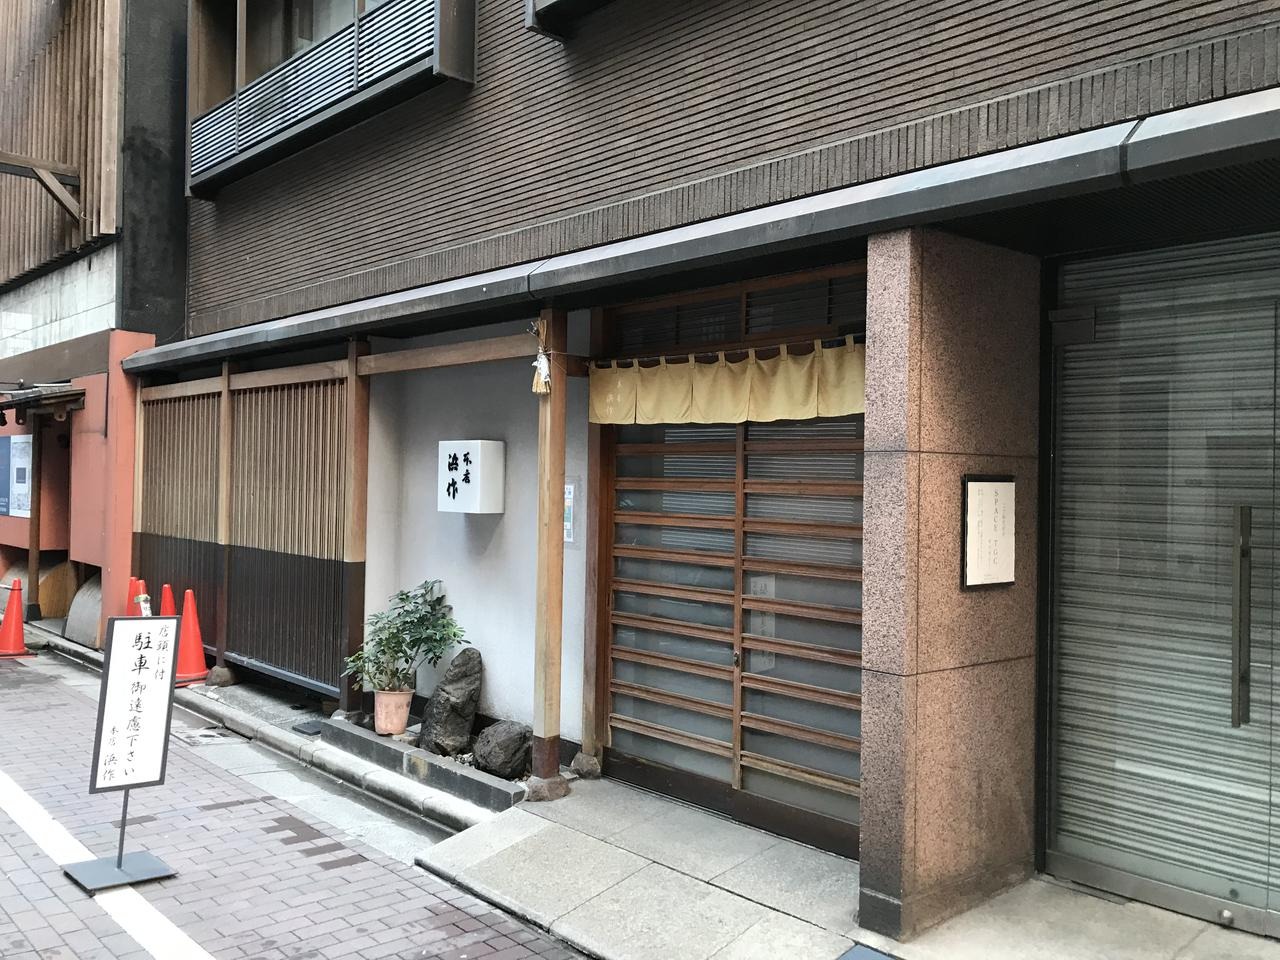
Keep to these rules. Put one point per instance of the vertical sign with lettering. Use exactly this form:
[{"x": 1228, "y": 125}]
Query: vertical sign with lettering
[
  {"x": 470, "y": 477},
  {"x": 131, "y": 745},
  {"x": 987, "y": 540}
]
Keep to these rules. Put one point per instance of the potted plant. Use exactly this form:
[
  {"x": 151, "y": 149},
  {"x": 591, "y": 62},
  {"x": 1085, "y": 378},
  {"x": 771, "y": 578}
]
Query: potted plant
[{"x": 417, "y": 627}]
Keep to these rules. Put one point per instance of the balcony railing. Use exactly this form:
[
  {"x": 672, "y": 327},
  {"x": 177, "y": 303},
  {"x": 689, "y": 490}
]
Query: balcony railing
[{"x": 358, "y": 57}]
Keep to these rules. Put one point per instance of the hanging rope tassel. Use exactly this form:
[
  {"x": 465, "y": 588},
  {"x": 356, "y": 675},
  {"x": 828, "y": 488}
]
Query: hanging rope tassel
[{"x": 542, "y": 362}]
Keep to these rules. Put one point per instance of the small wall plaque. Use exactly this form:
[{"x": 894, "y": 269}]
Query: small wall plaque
[
  {"x": 987, "y": 540},
  {"x": 470, "y": 478}
]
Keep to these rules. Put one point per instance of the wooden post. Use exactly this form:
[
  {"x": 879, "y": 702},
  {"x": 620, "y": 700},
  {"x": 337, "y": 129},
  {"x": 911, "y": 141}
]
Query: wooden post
[
  {"x": 549, "y": 597},
  {"x": 33, "y": 524},
  {"x": 221, "y": 614},
  {"x": 597, "y": 629},
  {"x": 355, "y": 526}
]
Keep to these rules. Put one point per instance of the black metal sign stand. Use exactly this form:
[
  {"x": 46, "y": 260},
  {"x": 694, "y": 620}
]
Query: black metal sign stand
[{"x": 139, "y": 866}]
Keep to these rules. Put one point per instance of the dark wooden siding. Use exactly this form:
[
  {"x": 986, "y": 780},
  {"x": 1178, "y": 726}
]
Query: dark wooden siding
[
  {"x": 286, "y": 615},
  {"x": 194, "y": 565},
  {"x": 663, "y": 112}
]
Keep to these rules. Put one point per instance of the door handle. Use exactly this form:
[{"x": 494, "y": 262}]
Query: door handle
[{"x": 1241, "y": 581}]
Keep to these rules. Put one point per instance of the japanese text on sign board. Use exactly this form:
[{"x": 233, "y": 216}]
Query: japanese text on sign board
[
  {"x": 457, "y": 465},
  {"x": 137, "y": 696},
  {"x": 988, "y": 533}
]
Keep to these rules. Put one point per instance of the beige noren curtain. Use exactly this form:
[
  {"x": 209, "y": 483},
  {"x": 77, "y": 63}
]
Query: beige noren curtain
[{"x": 828, "y": 382}]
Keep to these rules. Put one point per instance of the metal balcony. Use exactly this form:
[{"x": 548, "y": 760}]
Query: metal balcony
[{"x": 333, "y": 83}]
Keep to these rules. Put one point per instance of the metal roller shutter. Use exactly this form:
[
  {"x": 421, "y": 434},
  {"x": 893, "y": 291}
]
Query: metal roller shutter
[{"x": 1164, "y": 424}]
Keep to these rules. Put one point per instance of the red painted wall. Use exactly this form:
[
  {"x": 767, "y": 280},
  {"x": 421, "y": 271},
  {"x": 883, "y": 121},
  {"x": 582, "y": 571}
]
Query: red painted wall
[
  {"x": 87, "y": 494},
  {"x": 88, "y": 472},
  {"x": 116, "y": 512},
  {"x": 55, "y": 476}
]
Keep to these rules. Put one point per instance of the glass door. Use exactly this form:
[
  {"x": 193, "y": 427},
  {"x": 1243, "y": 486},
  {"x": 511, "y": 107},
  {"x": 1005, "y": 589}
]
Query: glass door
[{"x": 1163, "y": 540}]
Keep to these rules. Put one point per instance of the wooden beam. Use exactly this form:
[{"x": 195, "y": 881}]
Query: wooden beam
[
  {"x": 59, "y": 193},
  {"x": 33, "y": 525},
  {"x": 188, "y": 388},
  {"x": 356, "y": 512},
  {"x": 549, "y": 593},
  {"x": 252, "y": 380},
  {"x": 225, "y": 422},
  {"x": 279, "y": 376},
  {"x": 597, "y": 628},
  {"x": 450, "y": 355},
  {"x": 108, "y": 180},
  {"x": 17, "y": 165}
]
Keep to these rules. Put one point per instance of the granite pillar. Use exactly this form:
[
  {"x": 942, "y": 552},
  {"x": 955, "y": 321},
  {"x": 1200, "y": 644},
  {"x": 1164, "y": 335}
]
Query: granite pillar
[{"x": 948, "y": 674}]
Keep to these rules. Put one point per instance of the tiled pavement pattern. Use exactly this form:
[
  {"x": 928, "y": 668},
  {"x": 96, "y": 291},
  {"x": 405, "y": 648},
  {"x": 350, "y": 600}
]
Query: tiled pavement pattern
[{"x": 257, "y": 877}]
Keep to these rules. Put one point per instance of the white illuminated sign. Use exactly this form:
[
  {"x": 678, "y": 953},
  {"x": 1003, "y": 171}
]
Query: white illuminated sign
[{"x": 470, "y": 477}]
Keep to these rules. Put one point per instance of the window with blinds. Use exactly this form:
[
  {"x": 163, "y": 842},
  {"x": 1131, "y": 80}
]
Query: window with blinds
[
  {"x": 827, "y": 303},
  {"x": 735, "y": 616}
]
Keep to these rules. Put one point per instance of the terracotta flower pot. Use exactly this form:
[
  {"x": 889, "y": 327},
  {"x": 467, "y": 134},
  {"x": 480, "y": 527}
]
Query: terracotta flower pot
[{"x": 391, "y": 710}]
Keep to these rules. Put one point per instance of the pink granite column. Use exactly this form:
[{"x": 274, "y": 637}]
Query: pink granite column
[{"x": 948, "y": 675}]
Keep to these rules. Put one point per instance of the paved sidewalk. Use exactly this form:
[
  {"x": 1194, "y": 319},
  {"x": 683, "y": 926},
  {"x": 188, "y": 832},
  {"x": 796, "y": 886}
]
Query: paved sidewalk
[
  {"x": 263, "y": 871},
  {"x": 622, "y": 873},
  {"x": 628, "y": 875}
]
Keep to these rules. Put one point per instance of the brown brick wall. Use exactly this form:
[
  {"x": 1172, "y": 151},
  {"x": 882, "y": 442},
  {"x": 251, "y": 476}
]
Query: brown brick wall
[{"x": 662, "y": 112}]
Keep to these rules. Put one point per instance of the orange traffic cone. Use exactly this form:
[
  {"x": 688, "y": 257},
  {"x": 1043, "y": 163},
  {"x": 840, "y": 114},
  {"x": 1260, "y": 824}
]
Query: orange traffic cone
[
  {"x": 12, "y": 643},
  {"x": 130, "y": 605},
  {"x": 167, "y": 606},
  {"x": 191, "y": 665},
  {"x": 141, "y": 589}
]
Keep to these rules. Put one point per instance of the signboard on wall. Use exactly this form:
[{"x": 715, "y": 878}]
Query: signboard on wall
[
  {"x": 131, "y": 744},
  {"x": 15, "y": 476},
  {"x": 470, "y": 477},
  {"x": 987, "y": 542},
  {"x": 568, "y": 513}
]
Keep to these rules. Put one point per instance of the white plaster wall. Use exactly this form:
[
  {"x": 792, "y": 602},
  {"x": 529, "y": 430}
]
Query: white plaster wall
[
  {"x": 74, "y": 300},
  {"x": 487, "y": 563}
]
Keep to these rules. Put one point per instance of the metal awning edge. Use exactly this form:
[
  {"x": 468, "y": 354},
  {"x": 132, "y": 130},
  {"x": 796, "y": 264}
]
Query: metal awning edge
[{"x": 1221, "y": 133}]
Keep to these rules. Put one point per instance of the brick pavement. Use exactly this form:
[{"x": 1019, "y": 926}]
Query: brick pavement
[{"x": 257, "y": 877}]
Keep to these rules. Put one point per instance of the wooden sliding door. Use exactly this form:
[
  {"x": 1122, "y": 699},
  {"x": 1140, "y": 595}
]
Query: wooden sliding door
[{"x": 735, "y": 620}]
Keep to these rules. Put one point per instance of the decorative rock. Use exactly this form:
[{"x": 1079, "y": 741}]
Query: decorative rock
[
  {"x": 552, "y": 788},
  {"x": 451, "y": 711},
  {"x": 586, "y": 766},
  {"x": 220, "y": 677},
  {"x": 503, "y": 749}
]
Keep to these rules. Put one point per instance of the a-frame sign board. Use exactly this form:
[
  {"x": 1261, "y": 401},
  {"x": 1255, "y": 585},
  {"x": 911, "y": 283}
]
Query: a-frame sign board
[{"x": 131, "y": 745}]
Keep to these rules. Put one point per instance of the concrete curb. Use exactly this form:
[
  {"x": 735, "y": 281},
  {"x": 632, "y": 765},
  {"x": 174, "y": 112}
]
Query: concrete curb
[{"x": 417, "y": 798}]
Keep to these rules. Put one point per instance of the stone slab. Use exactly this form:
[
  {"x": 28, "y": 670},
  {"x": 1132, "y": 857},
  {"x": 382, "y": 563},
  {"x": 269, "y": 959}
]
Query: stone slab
[
  {"x": 1038, "y": 920},
  {"x": 693, "y": 841},
  {"x": 776, "y": 935},
  {"x": 550, "y": 873},
  {"x": 806, "y": 883},
  {"x": 681, "y": 917},
  {"x": 468, "y": 848},
  {"x": 242, "y": 758},
  {"x": 603, "y": 808}
]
